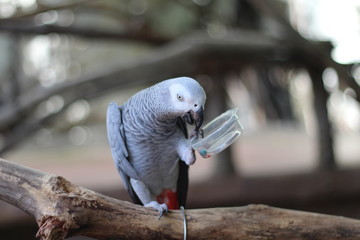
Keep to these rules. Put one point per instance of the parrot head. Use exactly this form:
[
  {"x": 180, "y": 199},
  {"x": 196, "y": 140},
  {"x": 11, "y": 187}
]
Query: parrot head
[{"x": 188, "y": 100}]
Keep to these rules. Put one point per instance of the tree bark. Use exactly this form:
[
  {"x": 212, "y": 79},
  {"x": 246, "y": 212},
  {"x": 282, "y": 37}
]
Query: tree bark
[{"x": 63, "y": 209}]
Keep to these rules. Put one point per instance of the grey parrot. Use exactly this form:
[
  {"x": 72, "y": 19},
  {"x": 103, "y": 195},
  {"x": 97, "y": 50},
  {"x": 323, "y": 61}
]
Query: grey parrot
[{"x": 148, "y": 138}]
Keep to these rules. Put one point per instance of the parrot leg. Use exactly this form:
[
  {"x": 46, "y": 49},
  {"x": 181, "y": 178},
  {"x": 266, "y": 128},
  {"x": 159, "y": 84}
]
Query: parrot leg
[{"x": 145, "y": 197}]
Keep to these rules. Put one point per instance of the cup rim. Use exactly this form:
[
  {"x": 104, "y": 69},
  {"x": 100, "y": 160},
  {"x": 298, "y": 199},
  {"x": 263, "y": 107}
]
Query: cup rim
[{"x": 231, "y": 117}]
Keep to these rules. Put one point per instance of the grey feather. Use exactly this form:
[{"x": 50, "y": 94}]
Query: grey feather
[{"x": 119, "y": 151}]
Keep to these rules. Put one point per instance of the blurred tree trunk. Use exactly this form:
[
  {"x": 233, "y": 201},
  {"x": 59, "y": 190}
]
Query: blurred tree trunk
[
  {"x": 216, "y": 104},
  {"x": 274, "y": 93},
  {"x": 246, "y": 15},
  {"x": 325, "y": 134},
  {"x": 15, "y": 68},
  {"x": 10, "y": 82}
]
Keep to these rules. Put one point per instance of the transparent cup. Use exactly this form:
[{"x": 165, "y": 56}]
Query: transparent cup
[{"x": 220, "y": 133}]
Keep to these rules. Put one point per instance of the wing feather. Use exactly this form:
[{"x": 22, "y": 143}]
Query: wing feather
[
  {"x": 116, "y": 137},
  {"x": 120, "y": 154}
]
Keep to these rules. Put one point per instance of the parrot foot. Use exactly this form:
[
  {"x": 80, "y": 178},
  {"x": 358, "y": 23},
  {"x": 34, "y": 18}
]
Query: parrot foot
[
  {"x": 188, "y": 156},
  {"x": 201, "y": 132},
  {"x": 196, "y": 133},
  {"x": 161, "y": 208}
]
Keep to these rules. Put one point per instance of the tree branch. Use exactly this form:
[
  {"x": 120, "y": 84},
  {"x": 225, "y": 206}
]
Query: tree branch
[
  {"x": 41, "y": 8},
  {"x": 162, "y": 63},
  {"x": 63, "y": 209},
  {"x": 27, "y": 26}
]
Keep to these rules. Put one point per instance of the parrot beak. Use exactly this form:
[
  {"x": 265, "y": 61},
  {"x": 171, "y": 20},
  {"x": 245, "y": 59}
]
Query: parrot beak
[
  {"x": 196, "y": 118},
  {"x": 199, "y": 118}
]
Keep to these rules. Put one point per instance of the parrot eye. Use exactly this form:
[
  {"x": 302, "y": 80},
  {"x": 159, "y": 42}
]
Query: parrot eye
[{"x": 179, "y": 97}]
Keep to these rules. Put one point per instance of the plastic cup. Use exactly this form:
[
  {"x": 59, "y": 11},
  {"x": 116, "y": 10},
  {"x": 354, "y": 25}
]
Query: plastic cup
[{"x": 220, "y": 133}]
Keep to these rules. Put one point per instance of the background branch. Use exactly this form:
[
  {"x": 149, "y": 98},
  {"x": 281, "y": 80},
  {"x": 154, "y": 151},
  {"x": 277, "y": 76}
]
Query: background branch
[
  {"x": 63, "y": 209},
  {"x": 28, "y": 26},
  {"x": 162, "y": 63},
  {"x": 41, "y": 8}
]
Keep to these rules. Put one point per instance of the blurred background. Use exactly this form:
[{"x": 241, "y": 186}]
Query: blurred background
[{"x": 291, "y": 67}]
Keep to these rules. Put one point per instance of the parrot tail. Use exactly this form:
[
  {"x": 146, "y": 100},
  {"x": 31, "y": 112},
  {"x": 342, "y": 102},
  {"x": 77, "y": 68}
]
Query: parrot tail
[{"x": 170, "y": 198}]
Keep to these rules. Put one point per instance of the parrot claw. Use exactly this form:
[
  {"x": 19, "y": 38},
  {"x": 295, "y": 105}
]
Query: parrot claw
[
  {"x": 197, "y": 133},
  {"x": 162, "y": 212},
  {"x": 161, "y": 208},
  {"x": 195, "y": 118},
  {"x": 201, "y": 132}
]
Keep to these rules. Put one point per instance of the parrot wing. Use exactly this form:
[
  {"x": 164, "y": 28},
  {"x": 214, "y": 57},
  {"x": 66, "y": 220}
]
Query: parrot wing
[
  {"x": 117, "y": 141},
  {"x": 183, "y": 180}
]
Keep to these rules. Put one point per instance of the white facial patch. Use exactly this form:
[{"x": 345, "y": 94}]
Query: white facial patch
[{"x": 178, "y": 91}]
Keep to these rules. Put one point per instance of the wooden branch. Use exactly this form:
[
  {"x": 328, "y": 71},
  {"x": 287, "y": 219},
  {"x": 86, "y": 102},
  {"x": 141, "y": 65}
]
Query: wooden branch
[{"x": 63, "y": 209}]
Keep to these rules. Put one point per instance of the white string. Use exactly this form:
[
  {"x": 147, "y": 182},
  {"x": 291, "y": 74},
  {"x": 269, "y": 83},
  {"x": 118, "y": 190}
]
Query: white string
[{"x": 184, "y": 217}]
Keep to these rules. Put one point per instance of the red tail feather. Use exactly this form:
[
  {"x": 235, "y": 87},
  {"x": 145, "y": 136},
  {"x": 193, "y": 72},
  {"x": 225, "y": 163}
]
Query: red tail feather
[{"x": 169, "y": 198}]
